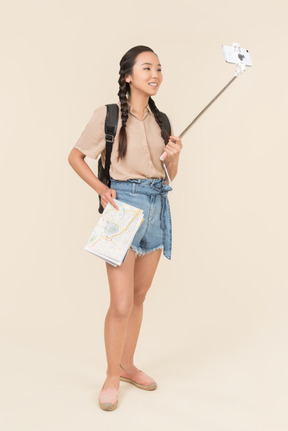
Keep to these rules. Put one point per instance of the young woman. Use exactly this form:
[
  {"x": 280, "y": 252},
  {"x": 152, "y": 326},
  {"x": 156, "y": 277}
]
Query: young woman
[{"x": 137, "y": 178}]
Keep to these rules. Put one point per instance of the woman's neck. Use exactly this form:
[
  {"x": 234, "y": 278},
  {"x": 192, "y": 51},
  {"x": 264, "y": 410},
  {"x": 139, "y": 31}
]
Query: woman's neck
[{"x": 138, "y": 103}]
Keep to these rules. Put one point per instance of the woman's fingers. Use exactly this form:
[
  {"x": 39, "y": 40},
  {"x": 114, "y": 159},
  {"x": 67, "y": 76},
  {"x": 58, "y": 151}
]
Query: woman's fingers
[
  {"x": 163, "y": 156},
  {"x": 108, "y": 196},
  {"x": 173, "y": 147},
  {"x": 176, "y": 141}
]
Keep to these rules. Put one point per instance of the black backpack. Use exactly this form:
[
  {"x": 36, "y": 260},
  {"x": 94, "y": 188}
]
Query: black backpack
[{"x": 111, "y": 123}]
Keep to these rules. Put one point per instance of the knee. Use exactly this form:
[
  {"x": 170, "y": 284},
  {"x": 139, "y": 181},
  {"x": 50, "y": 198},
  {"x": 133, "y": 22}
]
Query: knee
[
  {"x": 140, "y": 294},
  {"x": 121, "y": 310}
]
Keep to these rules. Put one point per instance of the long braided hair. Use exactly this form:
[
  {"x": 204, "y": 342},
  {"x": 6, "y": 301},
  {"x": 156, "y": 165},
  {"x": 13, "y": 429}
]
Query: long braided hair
[{"x": 126, "y": 64}]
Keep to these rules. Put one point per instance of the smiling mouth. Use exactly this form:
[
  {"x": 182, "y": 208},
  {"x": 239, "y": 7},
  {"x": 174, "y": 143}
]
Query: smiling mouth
[{"x": 153, "y": 84}]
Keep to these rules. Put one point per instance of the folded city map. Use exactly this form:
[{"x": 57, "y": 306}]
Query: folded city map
[{"x": 114, "y": 232}]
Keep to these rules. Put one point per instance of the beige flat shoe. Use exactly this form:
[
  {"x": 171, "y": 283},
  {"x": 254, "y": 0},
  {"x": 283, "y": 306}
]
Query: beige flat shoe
[
  {"x": 140, "y": 380},
  {"x": 108, "y": 399}
]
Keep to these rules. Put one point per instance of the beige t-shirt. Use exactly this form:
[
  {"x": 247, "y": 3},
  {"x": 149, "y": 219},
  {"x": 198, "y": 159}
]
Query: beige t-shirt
[{"x": 144, "y": 144}]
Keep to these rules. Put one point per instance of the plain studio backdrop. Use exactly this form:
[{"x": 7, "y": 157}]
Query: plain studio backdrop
[{"x": 214, "y": 332}]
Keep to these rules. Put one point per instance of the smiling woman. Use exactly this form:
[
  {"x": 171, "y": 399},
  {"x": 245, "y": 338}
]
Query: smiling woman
[{"x": 137, "y": 178}]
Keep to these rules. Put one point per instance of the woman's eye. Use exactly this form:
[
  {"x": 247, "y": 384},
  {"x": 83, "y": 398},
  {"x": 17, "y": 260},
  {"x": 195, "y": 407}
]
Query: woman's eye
[{"x": 159, "y": 70}]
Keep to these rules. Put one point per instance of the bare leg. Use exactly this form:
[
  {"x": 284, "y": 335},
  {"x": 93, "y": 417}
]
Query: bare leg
[
  {"x": 145, "y": 267},
  {"x": 121, "y": 283}
]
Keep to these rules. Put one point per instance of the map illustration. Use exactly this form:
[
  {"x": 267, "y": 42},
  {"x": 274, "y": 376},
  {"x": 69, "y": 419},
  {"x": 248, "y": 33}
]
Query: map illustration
[{"x": 114, "y": 232}]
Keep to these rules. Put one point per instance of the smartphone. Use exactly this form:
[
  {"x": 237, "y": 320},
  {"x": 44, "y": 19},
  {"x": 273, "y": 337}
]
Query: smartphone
[{"x": 236, "y": 55}]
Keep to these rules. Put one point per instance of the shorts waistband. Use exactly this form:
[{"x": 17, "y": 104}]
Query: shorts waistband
[{"x": 143, "y": 186}]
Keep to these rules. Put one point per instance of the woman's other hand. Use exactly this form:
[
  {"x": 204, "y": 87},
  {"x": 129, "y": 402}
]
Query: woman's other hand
[
  {"x": 171, "y": 155},
  {"x": 173, "y": 149}
]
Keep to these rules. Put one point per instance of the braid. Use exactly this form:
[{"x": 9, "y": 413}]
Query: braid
[
  {"x": 124, "y": 116},
  {"x": 158, "y": 118},
  {"x": 126, "y": 67}
]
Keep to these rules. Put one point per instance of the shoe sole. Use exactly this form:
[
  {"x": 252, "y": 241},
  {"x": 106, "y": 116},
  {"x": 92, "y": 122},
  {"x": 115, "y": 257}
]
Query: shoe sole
[
  {"x": 150, "y": 387},
  {"x": 108, "y": 406}
]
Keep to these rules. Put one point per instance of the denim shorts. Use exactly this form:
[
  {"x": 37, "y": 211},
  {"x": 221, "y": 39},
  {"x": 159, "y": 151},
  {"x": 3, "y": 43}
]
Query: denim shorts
[{"x": 150, "y": 195}]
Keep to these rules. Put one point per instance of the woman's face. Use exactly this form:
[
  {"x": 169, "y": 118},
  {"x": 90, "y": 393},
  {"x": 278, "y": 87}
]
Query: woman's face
[{"x": 146, "y": 74}]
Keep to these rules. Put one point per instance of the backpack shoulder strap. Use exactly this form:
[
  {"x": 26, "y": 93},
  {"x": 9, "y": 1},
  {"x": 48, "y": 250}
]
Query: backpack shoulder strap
[
  {"x": 166, "y": 122},
  {"x": 111, "y": 123}
]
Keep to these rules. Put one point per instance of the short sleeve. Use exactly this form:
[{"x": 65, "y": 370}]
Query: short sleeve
[{"x": 92, "y": 140}]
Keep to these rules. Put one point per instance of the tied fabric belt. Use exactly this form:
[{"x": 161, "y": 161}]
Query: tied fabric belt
[{"x": 150, "y": 187}]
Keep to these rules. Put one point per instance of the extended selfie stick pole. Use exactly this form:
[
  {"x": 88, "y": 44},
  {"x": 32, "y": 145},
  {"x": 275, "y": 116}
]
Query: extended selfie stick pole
[
  {"x": 206, "y": 107},
  {"x": 240, "y": 69}
]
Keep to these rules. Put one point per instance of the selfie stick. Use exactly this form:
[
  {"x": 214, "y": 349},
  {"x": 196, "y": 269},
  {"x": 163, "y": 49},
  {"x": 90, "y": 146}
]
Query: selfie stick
[{"x": 240, "y": 69}]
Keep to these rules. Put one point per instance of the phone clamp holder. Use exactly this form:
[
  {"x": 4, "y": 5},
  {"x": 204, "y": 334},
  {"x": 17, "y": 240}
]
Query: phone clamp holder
[{"x": 241, "y": 67}]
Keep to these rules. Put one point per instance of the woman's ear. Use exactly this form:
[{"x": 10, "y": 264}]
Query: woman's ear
[{"x": 128, "y": 79}]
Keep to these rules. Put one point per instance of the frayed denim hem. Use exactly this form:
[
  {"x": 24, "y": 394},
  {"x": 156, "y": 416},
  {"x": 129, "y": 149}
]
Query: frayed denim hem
[{"x": 141, "y": 252}]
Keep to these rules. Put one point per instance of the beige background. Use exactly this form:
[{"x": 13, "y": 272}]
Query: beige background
[{"x": 214, "y": 333}]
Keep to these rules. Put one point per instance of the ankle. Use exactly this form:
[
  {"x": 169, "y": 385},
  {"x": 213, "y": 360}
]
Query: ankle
[
  {"x": 130, "y": 369},
  {"x": 112, "y": 372},
  {"x": 110, "y": 376},
  {"x": 127, "y": 364}
]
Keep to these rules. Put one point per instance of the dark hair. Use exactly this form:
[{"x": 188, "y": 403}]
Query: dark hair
[{"x": 126, "y": 64}]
